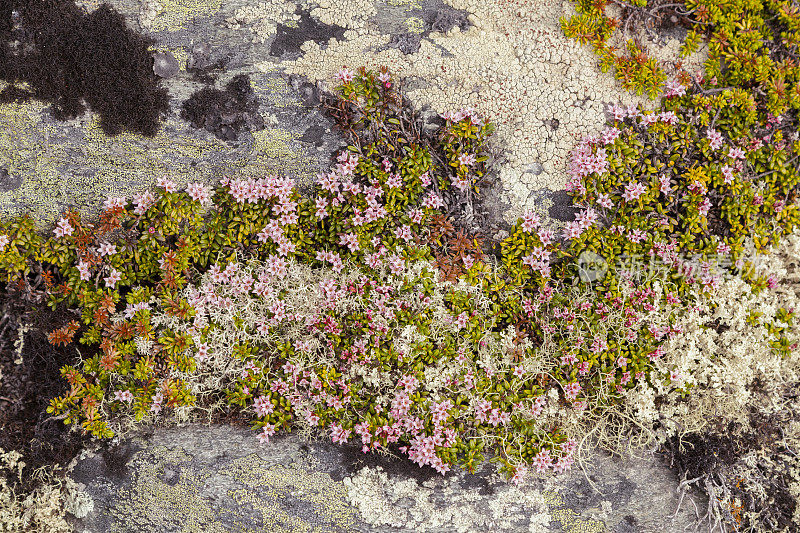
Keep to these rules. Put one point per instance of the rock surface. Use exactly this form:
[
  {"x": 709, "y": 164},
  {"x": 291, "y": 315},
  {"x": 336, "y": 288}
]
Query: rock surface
[{"x": 220, "y": 478}]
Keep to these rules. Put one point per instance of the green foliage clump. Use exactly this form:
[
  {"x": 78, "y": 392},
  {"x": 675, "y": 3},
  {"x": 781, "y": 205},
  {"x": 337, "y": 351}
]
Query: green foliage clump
[{"x": 364, "y": 313}]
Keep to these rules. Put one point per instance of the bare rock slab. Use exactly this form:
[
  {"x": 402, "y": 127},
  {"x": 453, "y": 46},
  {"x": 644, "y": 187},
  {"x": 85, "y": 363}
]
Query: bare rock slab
[{"x": 220, "y": 478}]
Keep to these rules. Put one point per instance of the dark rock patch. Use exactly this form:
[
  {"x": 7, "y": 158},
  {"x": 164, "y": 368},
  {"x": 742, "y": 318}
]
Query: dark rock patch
[
  {"x": 201, "y": 63},
  {"x": 288, "y": 40},
  {"x": 224, "y": 113},
  {"x": 408, "y": 43},
  {"x": 73, "y": 59},
  {"x": 9, "y": 182},
  {"x": 314, "y": 135},
  {"x": 562, "y": 208},
  {"x": 444, "y": 19}
]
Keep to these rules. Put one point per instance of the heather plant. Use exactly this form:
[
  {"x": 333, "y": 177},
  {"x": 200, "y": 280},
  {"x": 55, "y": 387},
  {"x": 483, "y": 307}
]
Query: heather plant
[{"x": 343, "y": 322}]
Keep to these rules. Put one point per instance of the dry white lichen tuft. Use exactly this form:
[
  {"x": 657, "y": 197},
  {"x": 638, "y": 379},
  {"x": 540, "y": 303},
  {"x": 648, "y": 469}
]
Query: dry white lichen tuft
[
  {"x": 263, "y": 18},
  {"x": 406, "y": 504}
]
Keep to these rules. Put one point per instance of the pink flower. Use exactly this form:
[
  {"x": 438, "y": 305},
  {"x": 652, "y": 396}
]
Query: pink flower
[
  {"x": 267, "y": 432},
  {"x": 573, "y": 230},
  {"x": 263, "y": 406},
  {"x": 530, "y": 221},
  {"x": 107, "y": 249},
  {"x": 634, "y": 190},
  {"x": 83, "y": 268},
  {"x": 394, "y": 181},
  {"x": 151, "y": 230},
  {"x": 674, "y": 88},
  {"x": 736, "y": 153},
  {"x": 404, "y": 232},
  {"x": 460, "y": 183},
  {"x": 123, "y": 396},
  {"x": 519, "y": 474},
  {"x": 636, "y": 236},
  {"x": 63, "y": 228},
  {"x": 396, "y": 264},
  {"x": 339, "y": 434},
  {"x": 618, "y": 112},
  {"x": 605, "y": 201},
  {"x": 727, "y": 172},
  {"x": 669, "y": 117},
  {"x": 571, "y": 390},
  {"x": 199, "y": 193},
  {"x": 111, "y": 202},
  {"x": 350, "y": 240},
  {"x": 563, "y": 464},
  {"x": 345, "y": 75},
  {"x": 432, "y": 201},
  {"x": 664, "y": 185},
  {"x": 609, "y": 135},
  {"x": 112, "y": 279},
  {"x": 715, "y": 138},
  {"x": 542, "y": 460},
  {"x": 466, "y": 159},
  {"x": 409, "y": 383},
  {"x": 168, "y": 184},
  {"x": 586, "y": 218},
  {"x": 704, "y": 207},
  {"x": 546, "y": 236}
]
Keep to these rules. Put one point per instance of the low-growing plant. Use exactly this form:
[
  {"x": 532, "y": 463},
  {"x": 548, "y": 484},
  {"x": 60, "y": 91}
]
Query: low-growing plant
[{"x": 351, "y": 326}]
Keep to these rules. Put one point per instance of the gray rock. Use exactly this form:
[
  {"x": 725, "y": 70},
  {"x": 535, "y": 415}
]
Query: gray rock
[
  {"x": 220, "y": 478},
  {"x": 165, "y": 64}
]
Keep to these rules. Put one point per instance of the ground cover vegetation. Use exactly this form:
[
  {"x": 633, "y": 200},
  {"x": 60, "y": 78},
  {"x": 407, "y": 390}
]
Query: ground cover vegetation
[{"x": 368, "y": 313}]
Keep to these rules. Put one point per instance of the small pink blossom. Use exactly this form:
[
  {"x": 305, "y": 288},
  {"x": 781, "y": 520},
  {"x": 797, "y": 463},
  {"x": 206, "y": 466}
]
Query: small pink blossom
[
  {"x": 267, "y": 431},
  {"x": 169, "y": 185},
  {"x": 123, "y": 396},
  {"x": 112, "y": 202},
  {"x": 618, "y": 112},
  {"x": 519, "y": 474},
  {"x": 530, "y": 221},
  {"x": 727, "y": 172},
  {"x": 674, "y": 88},
  {"x": 107, "y": 249},
  {"x": 63, "y": 228},
  {"x": 634, "y": 190},
  {"x": 112, "y": 279},
  {"x": 467, "y": 159},
  {"x": 345, "y": 75},
  {"x": 339, "y": 435},
  {"x": 263, "y": 406},
  {"x": 715, "y": 138},
  {"x": 736, "y": 153},
  {"x": 199, "y": 192}
]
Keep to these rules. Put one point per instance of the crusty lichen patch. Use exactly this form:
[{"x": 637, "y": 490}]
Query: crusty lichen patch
[
  {"x": 408, "y": 505},
  {"x": 74, "y": 164},
  {"x": 169, "y": 488},
  {"x": 514, "y": 66}
]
